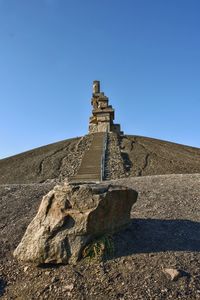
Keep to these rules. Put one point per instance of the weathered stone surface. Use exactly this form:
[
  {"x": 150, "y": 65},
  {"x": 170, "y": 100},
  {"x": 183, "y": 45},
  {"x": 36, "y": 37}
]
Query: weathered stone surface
[
  {"x": 70, "y": 216},
  {"x": 102, "y": 113}
]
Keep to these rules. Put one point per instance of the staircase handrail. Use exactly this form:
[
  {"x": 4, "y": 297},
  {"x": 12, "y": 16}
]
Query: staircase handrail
[{"x": 103, "y": 156}]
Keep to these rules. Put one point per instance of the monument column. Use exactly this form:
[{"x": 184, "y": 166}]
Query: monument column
[
  {"x": 96, "y": 87},
  {"x": 102, "y": 113}
]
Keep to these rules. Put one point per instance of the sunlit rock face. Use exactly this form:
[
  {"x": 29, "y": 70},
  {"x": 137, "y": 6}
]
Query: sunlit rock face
[
  {"x": 103, "y": 114},
  {"x": 70, "y": 216}
]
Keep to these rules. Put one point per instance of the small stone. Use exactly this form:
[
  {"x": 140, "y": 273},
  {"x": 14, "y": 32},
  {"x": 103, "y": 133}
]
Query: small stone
[
  {"x": 26, "y": 268},
  {"x": 50, "y": 288},
  {"x": 175, "y": 274},
  {"x": 69, "y": 294},
  {"x": 54, "y": 279},
  {"x": 101, "y": 272},
  {"x": 47, "y": 273},
  {"x": 68, "y": 287}
]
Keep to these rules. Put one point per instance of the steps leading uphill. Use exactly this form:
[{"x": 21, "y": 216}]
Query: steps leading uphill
[{"x": 91, "y": 167}]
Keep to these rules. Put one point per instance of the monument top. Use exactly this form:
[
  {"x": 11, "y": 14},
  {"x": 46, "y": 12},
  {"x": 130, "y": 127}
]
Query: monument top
[
  {"x": 96, "y": 86},
  {"x": 102, "y": 113}
]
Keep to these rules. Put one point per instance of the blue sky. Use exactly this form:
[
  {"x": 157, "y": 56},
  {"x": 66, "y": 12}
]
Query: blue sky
[{"x": 146, "y": 53}]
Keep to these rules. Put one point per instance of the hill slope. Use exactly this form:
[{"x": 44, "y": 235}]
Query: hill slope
[
  {"x": 148, "y": 156},
  {"x": 164, "y": 232},
  {"x": 53, "y": 161},
  {"x": 142, "y": 156}
]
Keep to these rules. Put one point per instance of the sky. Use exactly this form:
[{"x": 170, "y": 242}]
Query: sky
[{"x": 146, "y": 53}]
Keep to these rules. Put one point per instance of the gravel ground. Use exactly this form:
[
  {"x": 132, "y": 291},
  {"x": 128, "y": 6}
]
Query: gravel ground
[
  {"x": 164, "y": 233},
  {"x": 114, "y": 166}
]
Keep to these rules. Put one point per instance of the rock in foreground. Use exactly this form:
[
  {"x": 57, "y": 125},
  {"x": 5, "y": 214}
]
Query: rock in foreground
[{"x": 70, "y": 216}]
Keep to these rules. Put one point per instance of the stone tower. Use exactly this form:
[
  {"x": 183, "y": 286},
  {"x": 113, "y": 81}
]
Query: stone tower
[{"x": 102, "y": 113}]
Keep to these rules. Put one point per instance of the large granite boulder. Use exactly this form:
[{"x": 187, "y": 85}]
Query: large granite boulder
[{"x": 71, "y": 216}]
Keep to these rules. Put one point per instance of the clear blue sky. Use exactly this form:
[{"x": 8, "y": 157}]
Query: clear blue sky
[{"x": 146, "y": 54}]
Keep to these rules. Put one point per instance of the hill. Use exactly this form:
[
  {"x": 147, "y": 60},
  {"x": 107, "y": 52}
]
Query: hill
[
  {"x": 141, "y": 156},
  {"x": 150, "y": 156},
  {"x": 164, "y": 231},
  {"x": 53, "y": 161}
]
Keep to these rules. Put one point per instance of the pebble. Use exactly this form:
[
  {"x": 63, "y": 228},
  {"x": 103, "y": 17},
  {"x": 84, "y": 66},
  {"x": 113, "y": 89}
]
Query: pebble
[
  {"x": 47, "y": 273},
  {"x": 54, "y": 279},
  {"x": 26, "y": 268},
  {"x": 68, "y": 287},
  {"x": 175, "y": 274}
]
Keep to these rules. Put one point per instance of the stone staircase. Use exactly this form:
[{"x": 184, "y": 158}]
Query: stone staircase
[{"x": 91, "y": 165}]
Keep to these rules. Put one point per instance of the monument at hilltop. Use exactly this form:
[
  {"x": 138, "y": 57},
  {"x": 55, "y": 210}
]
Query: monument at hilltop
[{"x": 103, "y": 114}]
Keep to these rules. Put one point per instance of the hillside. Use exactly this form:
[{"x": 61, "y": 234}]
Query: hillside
[
  {"x": 150, "y": 156},
  {"x": 53, "y": 161},
  {"x": 164, "y": 230},
  {"x": 141, "y": 155}
]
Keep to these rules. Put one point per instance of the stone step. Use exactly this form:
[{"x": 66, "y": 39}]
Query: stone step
[
  {"x": 93, "y": 168},
  {"x": 90, "y": 168},
  {"x": 86, "y": 176},
  {"x": 89, "y": 173}
]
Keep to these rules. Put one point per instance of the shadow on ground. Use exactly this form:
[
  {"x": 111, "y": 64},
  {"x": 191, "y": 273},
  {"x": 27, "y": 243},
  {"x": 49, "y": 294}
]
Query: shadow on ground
[
  {"x": 154, "y": 235},
  {"x": 2, "y": 286}
]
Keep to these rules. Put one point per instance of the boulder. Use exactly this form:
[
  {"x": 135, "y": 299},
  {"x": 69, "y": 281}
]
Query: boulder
[{"x": 70, "y": 216}]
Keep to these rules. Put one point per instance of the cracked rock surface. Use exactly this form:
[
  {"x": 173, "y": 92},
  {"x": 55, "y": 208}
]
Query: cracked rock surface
[{"x": 70, "y": 216}]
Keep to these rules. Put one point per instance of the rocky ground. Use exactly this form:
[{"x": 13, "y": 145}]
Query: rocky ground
[
  {"x": 114, "y": 165},
  {"x": 164, "y": 233}
]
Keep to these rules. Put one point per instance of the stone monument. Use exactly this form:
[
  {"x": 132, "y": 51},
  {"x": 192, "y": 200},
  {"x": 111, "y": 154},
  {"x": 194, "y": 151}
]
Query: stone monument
[{"x": 102, "y": 113}]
